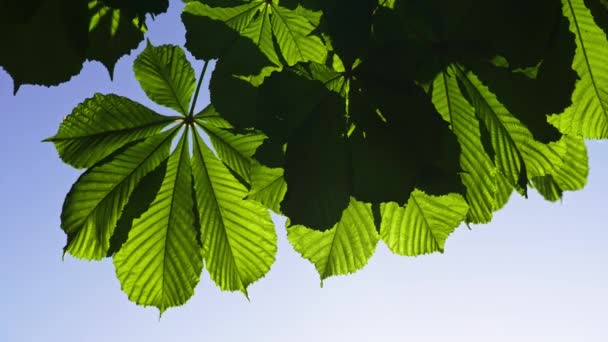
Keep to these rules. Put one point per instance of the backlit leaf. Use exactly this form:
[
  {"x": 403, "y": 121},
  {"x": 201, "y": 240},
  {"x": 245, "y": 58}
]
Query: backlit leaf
[
  {"x": 588, "y": 115},
  {"x": 343, "y": 249},
  {"x": 101, "y": 125},
  {"x": 166, "y": 76},
  {"x": 95, "y": 202},
  {"x": 423, "y": 225},
  {"x": 239, "y": 240},
  {"x": 161, "y": 261}
]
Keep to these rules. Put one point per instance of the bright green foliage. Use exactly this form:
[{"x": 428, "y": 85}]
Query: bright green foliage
[
  {"x": 166, "y": 76},
  {"x": 101, "y": 125},
  {"x": 343, "y": 249},
  {"x": 268, "y": 186},
  {"x": 239, "y": 241},
  {"x": 131, "y": 201},
  {"x": 161, "y": 261},
  {"x": 518, "y": 156},
  {"x": 93, "y": 206},
  {"x": 261, "y": 21},
  {"x": 423, "y": 224},
  {"x": 358, "y": 120},
  {"x": 588, "y": 116},
  {"x": 479, "y": 176}
]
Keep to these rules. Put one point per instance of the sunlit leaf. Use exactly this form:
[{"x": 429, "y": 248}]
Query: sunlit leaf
[
  {"x": 343, "y": 249},
  {"x": 101, "y": 125},
  {"x": 161, "y": 261}
]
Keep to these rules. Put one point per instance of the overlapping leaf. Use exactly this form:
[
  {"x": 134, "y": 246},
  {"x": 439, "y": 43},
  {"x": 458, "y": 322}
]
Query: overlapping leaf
[
  {"x": 93, "y": 206},
  {"x": 516, "y": 154},
  {"x": 268, "y": 186},
  {"x": 317, "y": 139},
  {"x": 260, "y": 21},
  {"x": 479, "y": 172}
]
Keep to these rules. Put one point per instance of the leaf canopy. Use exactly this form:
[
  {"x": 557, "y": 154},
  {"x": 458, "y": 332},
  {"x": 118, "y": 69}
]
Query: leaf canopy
[{"x": 359, "y": 121}]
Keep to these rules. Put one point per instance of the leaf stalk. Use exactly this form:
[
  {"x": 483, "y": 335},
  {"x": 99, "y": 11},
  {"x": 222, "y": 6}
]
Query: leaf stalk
[{"x": 190, "y": 117}]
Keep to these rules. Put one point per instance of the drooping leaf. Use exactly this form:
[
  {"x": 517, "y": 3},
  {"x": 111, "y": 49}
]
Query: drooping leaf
[
  {"x": 518, "y": 156},
  {"x": 548, "y": 91},
  {"x": 239, "y": 241},
  {"x": 166, "y": 76},
  {"x": 588, "y": 115},
  {"x": 570, "y": 176},
  {"x": 423, "y": 225},
  {"x": 161, "y": 261},
  {"x": 95, "y": 202},
  {"x": 479, "y": 173},
  {"x": 112, "y": 34},
  {"x": 102, "y": 124},
  {"x": 343, "y": 249}
]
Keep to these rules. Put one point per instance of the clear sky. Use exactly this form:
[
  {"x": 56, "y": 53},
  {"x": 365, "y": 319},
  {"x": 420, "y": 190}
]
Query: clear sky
[{"x": 538, "y": 272}]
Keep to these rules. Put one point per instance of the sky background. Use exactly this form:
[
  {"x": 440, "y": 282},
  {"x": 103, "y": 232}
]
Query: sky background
[{"x": 536, "y": 273}]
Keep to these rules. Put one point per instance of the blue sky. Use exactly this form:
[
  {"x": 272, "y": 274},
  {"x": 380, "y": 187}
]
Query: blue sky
[{"x": 536, "y": 273}]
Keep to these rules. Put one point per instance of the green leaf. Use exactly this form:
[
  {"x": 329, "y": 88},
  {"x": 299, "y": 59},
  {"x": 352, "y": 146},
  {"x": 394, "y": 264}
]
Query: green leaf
[
  {"x": 479, "y": 176},
  {"x": 239, "y": 241},
  {"x": 43, "y": 42},
  {"x": 260, "y": 21},
  {"x": 588, "y": 115},
  {"x": 166, "y": 76},
  {"x": 292, "y": 32},
  {"x": 343, "y": 249},
  {"x": 161, "y": 261},
  {"x": 318, "y": 171},
  {"x": 518, "y": 156},
  {"x": 112, "y": 34},
  {"x": 95, "y": 202},
  {"x": 423, "y": 225},
  {"x": 267, "y": 186},
  {"x": 572, "y": 175},
  {"x": 102, "y": 124},
  {"x": 233, "y": 149}
]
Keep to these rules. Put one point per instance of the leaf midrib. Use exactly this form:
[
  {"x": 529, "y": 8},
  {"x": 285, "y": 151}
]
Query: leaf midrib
[
  {"x": 489, "y": 107},
  {"x": 587, "y": 63},
  {"x": 199, "y": 149},
  {"x": 125, "y": 130},
  {"x": 128, "y": 176},
  {"x": 165, "y": 75}
]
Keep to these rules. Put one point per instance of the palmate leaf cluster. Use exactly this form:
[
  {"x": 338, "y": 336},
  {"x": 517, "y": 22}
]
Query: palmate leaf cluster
[{"x": 360, "y": 121}]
